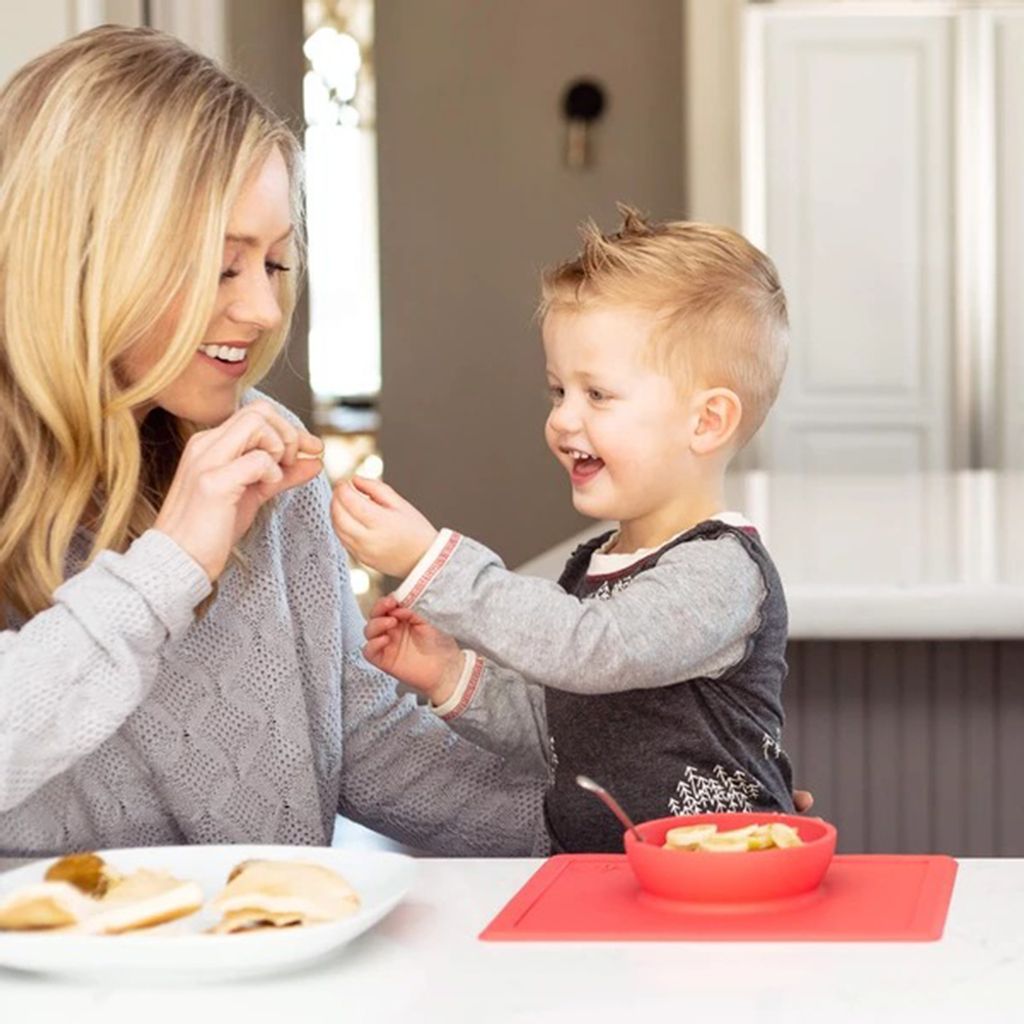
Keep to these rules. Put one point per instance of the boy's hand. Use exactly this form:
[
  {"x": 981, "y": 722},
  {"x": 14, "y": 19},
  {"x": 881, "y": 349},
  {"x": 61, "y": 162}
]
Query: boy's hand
[
  {"x": 379, "y": 527},
  {"x": 402, "y": 644},
  {"x": 803, "y": 800}
]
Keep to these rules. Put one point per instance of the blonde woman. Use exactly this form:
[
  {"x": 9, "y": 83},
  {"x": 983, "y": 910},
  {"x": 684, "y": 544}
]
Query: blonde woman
[{"x": 180, "y": 656}]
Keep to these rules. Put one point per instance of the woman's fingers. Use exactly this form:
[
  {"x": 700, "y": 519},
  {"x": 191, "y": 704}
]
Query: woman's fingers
[
  {"x": 257, "y": 425},
  {"x": 256, "y": 467}
]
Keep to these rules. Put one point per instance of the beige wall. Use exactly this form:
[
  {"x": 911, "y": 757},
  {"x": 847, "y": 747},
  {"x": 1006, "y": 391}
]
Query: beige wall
[
  {"x": 263, "y": 46},
  {"x": 474, "y": 199}
]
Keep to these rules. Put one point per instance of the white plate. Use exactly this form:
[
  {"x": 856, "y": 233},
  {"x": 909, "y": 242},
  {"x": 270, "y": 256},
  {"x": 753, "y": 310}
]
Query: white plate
[{"x": 180, "y": 947}]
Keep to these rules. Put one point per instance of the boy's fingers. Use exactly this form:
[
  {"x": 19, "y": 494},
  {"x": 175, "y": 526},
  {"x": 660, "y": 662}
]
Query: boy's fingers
[
  {"x": 382, "y": 606},
  {"x": 355, "y": 503},
  {"x": 349, "y": 529},
  {"x": 377, "y": 626},
  {"x": 378, "y": 491},
  {"x": 373, "y": 652}
]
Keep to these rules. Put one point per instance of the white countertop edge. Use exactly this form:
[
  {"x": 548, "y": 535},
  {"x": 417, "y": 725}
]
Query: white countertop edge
[{"x": 953, "y": 612}]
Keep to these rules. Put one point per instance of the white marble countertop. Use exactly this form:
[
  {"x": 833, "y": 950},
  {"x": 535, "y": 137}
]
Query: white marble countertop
[
  {"x": 424, "y": 964},
  {"x": 925, "y": 556}
]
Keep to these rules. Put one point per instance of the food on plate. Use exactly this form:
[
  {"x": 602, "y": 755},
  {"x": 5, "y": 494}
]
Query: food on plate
[
  {"x": 43, "y": 906},
  {"x": 140, "y": 900},
  {"x": 87, "y": 872},
  {"x": 83, "y": 892},
  {"x": 281, "y": 894},
  {"x": 707, "y": 838}
]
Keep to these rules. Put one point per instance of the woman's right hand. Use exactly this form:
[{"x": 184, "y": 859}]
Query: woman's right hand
[{"x": 226, "y": 473}]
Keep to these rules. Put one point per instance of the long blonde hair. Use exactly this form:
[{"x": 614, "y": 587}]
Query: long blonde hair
[{"x": 121, "y": 154}]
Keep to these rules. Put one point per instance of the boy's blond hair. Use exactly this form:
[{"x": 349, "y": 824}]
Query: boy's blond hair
[{"x": 720, "y": 307}]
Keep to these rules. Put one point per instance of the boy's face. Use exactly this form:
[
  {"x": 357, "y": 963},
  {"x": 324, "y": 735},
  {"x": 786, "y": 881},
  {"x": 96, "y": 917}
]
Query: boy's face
[{"x": 621, "y": 429}]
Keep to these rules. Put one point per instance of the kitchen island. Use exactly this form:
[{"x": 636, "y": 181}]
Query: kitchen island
[{"x": 424, "y": 963}]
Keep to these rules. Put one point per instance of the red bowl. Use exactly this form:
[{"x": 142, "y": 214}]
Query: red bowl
[{"x": 753, "y": 877}]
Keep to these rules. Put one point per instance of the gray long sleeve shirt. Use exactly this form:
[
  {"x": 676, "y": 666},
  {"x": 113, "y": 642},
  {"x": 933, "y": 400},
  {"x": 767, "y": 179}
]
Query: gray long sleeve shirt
[
  {"x": 661, "y": 679},
  {"x": 126, "y": 720}
]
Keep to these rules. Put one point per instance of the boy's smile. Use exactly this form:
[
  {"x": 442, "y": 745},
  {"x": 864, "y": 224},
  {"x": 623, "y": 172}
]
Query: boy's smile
[{"x": 621, "y": 428}]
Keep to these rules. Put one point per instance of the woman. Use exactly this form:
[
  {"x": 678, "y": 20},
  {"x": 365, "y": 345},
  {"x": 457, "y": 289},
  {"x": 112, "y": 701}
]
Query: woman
[{"x": 180, "y": 660}]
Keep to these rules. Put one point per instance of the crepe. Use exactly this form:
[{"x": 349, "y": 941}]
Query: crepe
[
  {"x": 45, "y": 905},
  {"x": 140, "y": 900},
  {"x": 279, "y": 894}
]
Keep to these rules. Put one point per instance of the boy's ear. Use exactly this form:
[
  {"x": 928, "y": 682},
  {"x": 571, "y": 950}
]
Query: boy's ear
[{"x": 719, "y": 412}]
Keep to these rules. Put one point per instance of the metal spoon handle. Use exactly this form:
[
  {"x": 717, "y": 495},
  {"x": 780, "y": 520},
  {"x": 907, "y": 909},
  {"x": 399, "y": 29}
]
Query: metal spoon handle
[{"x": 612, "y": 804}]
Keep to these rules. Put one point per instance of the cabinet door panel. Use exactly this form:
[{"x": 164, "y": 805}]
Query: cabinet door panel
[
  {"x": 1009, "y": 101},
  {"x": 858, "y": 207}
]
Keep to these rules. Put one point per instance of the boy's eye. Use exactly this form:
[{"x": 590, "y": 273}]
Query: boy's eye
[
  {"x": 597, "y": 395},
  {"x": 555, "y": 393}
]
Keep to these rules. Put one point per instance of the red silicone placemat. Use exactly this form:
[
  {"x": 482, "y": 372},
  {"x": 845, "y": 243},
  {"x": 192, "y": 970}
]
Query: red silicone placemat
[{"x": 863, "y": 898}]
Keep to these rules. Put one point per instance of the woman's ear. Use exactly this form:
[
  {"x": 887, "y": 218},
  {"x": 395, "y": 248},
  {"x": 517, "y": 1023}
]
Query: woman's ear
[{"x": 719, "y": 412}]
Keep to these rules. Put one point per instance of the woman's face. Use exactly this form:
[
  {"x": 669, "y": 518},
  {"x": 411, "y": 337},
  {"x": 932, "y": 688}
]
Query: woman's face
[{"x": 255, "y": 256}]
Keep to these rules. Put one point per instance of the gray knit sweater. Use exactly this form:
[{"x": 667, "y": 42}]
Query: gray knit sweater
[{"x": 126, "y": 720}]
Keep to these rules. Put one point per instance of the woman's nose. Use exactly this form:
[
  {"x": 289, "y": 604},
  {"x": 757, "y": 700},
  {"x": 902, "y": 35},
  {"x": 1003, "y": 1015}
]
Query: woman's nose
[{"x": 257, "y": 305}]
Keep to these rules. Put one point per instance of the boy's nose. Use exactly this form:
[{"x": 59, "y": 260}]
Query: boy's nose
[{"x": 564, "y": 418}]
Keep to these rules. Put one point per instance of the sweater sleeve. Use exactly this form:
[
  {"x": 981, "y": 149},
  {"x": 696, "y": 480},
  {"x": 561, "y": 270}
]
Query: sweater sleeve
[
  {"x": 499, "y": 710},
  {"x": 404, "y": 772},
  {"x": 691, "y": 615},
  {"x": 72, "y": 674}
]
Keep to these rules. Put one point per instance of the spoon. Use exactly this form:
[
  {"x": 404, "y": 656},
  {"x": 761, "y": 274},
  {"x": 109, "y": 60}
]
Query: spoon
[{"x": 591, "y": 786}]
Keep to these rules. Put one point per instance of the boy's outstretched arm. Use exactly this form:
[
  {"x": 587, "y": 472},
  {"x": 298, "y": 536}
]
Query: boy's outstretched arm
[
  {"x": 690, "y": 615},
  {"x": 488, "y": 705}
]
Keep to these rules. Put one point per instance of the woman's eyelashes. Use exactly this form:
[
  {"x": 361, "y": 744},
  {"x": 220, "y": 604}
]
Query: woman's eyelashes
[{"x": 272, "y": 268}]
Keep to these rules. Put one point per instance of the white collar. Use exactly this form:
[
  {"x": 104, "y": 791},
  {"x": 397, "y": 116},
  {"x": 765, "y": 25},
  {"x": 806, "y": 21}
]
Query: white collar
[{"x": 602, "y": 563}]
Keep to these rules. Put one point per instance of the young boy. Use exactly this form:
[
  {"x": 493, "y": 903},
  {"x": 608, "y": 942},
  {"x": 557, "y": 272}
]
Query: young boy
[{"x": 655, "y": 665}]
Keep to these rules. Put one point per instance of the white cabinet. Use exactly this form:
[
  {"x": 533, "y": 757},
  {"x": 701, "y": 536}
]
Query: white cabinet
[
  {"x": 884, "y": 172},
  {"x": 1009, "y": 231}
]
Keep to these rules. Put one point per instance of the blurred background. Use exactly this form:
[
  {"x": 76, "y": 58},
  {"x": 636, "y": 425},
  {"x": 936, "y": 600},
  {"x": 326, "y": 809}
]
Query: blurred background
[
  {"x": 874, "y": 148},
  {"x": 870, "y": 147}
]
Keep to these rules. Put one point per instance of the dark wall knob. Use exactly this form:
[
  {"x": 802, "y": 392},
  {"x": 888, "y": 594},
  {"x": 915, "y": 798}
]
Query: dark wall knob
[{"x": 583, "y": 103}]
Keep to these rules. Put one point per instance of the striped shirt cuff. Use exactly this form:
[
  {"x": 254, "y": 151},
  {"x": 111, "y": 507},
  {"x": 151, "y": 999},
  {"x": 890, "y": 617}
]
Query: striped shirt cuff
[
  {"x": 429, "y": 565},
  {"x": 456, "y": 704}
]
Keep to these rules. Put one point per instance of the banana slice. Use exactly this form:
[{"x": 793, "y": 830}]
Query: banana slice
[
  {"x": 724, "y": 844},
  {"x": 686, "y": 837},
  {"x": 739, "y": 833},
  {"x": 760, "y": 839},
  {"x": 784, "y": 835},
  {"x": 737, "y": 840}
]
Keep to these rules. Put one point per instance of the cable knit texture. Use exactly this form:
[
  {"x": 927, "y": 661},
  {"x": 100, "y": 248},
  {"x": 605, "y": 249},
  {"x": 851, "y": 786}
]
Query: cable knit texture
[{"x": 125, "y": 720}]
